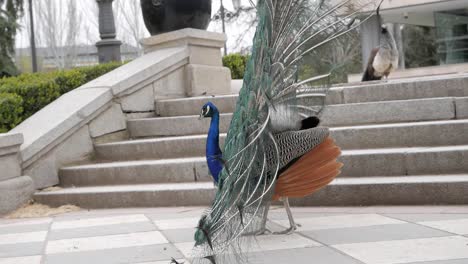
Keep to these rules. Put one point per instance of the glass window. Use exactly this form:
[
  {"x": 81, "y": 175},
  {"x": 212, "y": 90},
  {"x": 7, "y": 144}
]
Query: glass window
[{"x": 452, "y": 36}]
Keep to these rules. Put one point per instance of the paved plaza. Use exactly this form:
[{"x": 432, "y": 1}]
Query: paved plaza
[{"x": 328, "y": 235}]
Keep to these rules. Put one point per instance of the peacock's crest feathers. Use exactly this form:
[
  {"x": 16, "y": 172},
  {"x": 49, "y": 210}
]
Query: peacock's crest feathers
[{"x": 272, "y": 100}]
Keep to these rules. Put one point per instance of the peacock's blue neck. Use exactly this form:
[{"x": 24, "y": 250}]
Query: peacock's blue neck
[
  {"x": 213, "y": 152},
  {"x": 212, "y": 144}
]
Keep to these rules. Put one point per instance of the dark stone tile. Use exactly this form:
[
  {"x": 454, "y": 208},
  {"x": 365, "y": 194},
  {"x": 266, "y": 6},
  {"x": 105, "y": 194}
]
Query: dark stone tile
[
  {"x": 316, "y": 255},
  {"x": 22, "y": 249},
  {"x": 117, "y": 255},
  {"x": 179, "y": 235},
  {"x": 373, "y": 233}
]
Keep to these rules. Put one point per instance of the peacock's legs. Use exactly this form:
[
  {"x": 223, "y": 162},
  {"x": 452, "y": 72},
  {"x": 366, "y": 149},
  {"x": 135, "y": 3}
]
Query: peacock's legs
[
  {"x": 293, "y": 225},
  {"x": 262, "y": 230}
]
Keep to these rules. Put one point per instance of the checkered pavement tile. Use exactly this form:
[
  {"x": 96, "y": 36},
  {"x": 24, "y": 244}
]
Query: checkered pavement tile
[
  {"x": 22, "y": 260},
  {"x": 407, "y": 251},
  {"x": 328, "y": 237}
]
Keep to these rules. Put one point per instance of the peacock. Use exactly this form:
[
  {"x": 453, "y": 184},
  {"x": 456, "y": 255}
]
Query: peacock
[
  {"x": 275, "y": 148},
  {"x": 383, "y": 59},
  {"x": 302, "y": 175},
  {"x": 213, "y": 151}
]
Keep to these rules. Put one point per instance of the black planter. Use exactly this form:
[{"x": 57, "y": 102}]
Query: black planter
[{"x": 167, "y": 15}]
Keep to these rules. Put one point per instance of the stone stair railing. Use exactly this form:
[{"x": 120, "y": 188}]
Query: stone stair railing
[
  {"x": 182, "y": 63},
  {"x": 404, "y": 143},
  {"x": 15, "y": 189}
]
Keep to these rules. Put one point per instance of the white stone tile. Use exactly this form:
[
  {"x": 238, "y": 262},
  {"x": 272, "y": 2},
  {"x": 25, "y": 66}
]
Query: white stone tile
[
  {"x": 163, "y": 262},
  {"x": 177, "y": 223},
  {"x": 407, "y": 251},
  {"x": 342, "y": 221},
  {"x": 23, "y": 237},
  {"x": 277, "y": 242},
  {"x": 21, "y": 260},
  {"x": 101, "y": 221},
  {"x": 23, "y": 222},
  {"x": 105, "y": 242},
  {"x": 456, "y": 226},
  {"x": 262, "y": 243}
]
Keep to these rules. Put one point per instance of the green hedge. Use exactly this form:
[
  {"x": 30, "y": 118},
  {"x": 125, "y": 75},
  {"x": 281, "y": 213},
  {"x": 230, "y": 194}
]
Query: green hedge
[
  {"x": 236, "y": 63},
  {"x": 36, "y": 90},
  {"x": 10, "y": 111}
]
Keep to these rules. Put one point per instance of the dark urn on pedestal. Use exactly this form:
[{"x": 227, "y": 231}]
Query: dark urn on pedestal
[{"x": 168, "y": 15}]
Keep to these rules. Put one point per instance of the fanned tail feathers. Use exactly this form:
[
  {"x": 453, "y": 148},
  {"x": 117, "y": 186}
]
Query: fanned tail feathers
[{"x": 287, "y": 31}]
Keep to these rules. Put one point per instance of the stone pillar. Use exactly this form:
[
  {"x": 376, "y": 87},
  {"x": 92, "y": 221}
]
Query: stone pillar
[
  {"x": 399, "y": 41},
  {"x": 370, "y": 37},
  {"x": 204, "y": 74},
  {"x": 15, "y": 189},
  {"x": 108, "y": 47}
]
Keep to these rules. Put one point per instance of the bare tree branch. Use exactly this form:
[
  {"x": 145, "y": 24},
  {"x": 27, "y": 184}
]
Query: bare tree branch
[
  {"x": 58, "y": 30},
  {"x": 129, "y": 15}
]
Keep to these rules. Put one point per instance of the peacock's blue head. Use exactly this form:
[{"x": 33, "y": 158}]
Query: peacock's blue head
[{"x": 208, "y": 110}]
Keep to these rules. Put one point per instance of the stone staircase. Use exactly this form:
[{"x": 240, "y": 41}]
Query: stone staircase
[{"x": 404, "y": 142}]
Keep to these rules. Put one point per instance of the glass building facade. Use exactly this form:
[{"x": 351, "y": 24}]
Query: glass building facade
[
  {"x": 431, "y": 32},
  {"x": 452, "y": 35}
]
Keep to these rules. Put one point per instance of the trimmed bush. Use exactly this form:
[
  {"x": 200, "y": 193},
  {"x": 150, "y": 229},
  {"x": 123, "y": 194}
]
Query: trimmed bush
[
  {"x": 69, "y": 80},
  {"x": 92, "y": 72},
  {"x": 236, "y": 63},
  {"x": 36, "y": 90},
  {"x": 10, "y": 111}
]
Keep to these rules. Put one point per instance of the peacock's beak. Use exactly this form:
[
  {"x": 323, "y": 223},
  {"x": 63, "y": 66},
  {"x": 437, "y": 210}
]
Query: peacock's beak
[{"x": 200, "y": 117}]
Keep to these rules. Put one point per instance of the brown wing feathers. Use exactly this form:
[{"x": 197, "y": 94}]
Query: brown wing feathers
[{"x": 311, "y": 172}]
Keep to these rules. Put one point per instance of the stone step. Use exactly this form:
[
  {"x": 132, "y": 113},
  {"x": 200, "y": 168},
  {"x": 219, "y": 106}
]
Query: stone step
[
  {"x": 410, "y": 134},
  {"x": 174, "y": 126},
  {"x": 403, "y": 89},
  {"x": 144, "y": 195},
  {"x": 353, "y": 137},
  {"x": 398, "y": 190},
  {"x": 357, "y": 163},
  {"x": 405, "y": 161},
  {"x": 154, "y": 148},
  {"x": 136, "y": 172},
  {"x": 334, "y": 115},
  {"x": 413, "y": 134}
]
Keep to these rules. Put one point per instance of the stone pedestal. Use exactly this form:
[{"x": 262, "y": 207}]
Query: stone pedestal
[
  {"x": 109, "y": 46},
  {"x": 14, "y": 188},
  {"x": 109, "y": 50},
  {"x": 204, "y": 74}
]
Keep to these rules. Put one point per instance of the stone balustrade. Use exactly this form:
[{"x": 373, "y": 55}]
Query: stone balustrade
[
  {"x": 177, "y": 64},
  {"x": 15, "y": 189}
]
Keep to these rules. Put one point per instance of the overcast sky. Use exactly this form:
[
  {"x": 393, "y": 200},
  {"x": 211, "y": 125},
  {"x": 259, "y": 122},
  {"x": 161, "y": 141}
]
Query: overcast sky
[{"x": 88, "y": 32}]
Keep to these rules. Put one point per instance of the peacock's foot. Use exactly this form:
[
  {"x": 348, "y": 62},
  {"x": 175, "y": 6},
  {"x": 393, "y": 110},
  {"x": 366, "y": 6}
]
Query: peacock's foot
[
  {"x": 287, "y": 231},
  {"x": 260, "y": 232},
  {"x": 263, "y": 231}
]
